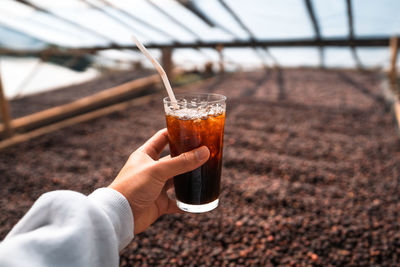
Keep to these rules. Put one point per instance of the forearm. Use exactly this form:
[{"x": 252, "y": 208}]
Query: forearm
[{"x": 65, "y": 228}]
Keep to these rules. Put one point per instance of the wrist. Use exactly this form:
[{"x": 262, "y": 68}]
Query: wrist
[{"x": 118, "y": 210}]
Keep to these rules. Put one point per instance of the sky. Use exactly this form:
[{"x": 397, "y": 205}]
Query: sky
[{"x": 22, "y": 27}]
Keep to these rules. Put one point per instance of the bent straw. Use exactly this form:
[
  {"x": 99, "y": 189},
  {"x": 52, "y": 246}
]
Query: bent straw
[{"x": 160, "y": 70}]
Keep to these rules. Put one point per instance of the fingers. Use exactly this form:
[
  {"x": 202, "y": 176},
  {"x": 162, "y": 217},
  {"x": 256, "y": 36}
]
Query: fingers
[
  {"x": 172, "y": 207},
  {"x": 169, "y": 203},
  {"x": 169, "y": 184},
  {"x": 165, "y": 158},
  {"x": 169, "y": 167},
  {"x": 154, "y": 146}
]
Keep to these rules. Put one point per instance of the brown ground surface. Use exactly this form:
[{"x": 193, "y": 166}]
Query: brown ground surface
[{"x": 311, "y": 174}]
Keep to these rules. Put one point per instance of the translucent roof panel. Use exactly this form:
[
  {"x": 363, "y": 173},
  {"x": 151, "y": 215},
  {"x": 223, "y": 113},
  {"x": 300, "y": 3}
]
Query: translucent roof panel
[
  {"x": 18, "y": 77},
  {"x": 190, "y": 58},
  {"x": 89, "y": 23},
  {"x": 271, "y": 19},
  {"x": 42, "y": 26},
  {"x": 13, "y": 39},
  {"x": 94, "y": 23},
  {"x": 99, "y": 24},
  {"x": 150, "y": 13},
  {"x": 296, "y": 56},
  {"x": 376, "y": 17},
  {"x": 205, "y": 32},
  {"x": 332, "y": 17},
  {"x": 375, "y": 57},
  {"x": 339, "y": 57},
  {"x": 222, "y": 18}
]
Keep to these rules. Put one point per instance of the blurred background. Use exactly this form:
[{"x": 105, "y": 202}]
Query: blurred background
[
  {"x": 38, "y": 25},
  {"x": 311, "y": 172}
]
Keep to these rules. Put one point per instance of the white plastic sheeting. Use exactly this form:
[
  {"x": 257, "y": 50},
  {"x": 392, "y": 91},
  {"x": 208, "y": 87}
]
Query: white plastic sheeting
[{"x": 266, "y": 19}]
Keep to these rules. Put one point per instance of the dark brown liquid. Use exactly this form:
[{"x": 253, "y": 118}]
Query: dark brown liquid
[{"x": 201, "y": 185}]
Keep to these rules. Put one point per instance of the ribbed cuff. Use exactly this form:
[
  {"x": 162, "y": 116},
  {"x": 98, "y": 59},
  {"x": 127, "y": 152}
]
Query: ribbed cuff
[{"x": 117, "y": 208}]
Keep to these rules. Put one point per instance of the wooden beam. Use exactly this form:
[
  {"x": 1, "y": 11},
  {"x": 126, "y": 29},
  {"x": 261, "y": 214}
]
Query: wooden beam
[
  {"x": 166, "y": 61},
  {"x": 331, "y": 42},
  {"x": 19, "y": 138},
  {"x": 221, "y": 59},
  {"x": 317, "y": 32},
  {"x": 72, "y": 121},
  {"x": 394, "y": 46},
  {"x": 5, "y": 112},
  {"x": 351, "y": 33},
  {"x": 396, "y": 109},
  {"x": 85, "y": 104},
  {"x": 88, "y": 116}
]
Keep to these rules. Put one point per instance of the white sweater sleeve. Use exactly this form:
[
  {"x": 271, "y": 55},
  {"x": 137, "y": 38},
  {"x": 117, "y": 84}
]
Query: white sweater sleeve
[{"x": 66, "y": 228}]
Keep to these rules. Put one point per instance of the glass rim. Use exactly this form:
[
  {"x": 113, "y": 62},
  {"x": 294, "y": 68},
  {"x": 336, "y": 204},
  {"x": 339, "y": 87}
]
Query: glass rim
[{"x": 177, "y": 96}]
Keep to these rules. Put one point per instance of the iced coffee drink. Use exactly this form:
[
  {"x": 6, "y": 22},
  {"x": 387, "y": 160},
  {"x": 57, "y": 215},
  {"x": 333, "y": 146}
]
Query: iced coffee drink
[{"x": 197, "y": 120}]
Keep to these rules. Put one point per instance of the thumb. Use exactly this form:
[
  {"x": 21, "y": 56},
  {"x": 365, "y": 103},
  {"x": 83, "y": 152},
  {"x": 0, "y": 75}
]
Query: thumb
[{"x": 185, "y": 162}]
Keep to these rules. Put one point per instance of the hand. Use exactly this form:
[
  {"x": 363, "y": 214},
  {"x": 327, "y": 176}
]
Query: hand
[{"x": 145, "y": 179}]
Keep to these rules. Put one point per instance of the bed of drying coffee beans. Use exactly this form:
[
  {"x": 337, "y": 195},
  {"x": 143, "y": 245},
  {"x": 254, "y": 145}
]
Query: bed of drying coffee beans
[{"x": 311, "y": 174}]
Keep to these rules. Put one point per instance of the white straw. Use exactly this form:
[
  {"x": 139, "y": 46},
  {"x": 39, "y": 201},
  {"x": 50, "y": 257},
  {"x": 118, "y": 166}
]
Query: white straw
[{"x": 160, "y": 70}]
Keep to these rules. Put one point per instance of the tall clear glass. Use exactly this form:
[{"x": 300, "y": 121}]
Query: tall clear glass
[{"x": 199, "y": 120}]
